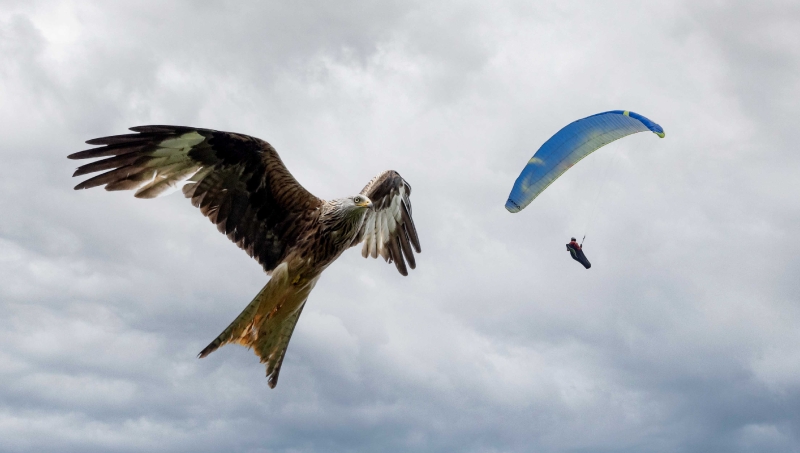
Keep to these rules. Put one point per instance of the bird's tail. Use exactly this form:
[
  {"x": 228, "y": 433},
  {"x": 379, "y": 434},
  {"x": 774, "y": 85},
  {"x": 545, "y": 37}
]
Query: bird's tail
[
  {"x": 243, "y": 329},
  {"x": 267, "y": 323}
]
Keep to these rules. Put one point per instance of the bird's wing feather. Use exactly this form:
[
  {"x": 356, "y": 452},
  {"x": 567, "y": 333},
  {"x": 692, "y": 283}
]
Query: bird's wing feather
[
  {"x": 388, "y": 229},
  {"x": 239, "y": 182}
]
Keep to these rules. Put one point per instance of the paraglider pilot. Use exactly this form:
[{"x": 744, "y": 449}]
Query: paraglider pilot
[{"x": 575, "y": 250}]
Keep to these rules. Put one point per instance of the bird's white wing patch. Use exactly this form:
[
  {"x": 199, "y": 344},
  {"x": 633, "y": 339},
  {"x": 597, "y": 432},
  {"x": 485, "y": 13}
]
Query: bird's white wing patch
[
  {"x": 380, "y": 226},
  {"x": 388, "y": 229},
  {"x": 171, "y": 165}
]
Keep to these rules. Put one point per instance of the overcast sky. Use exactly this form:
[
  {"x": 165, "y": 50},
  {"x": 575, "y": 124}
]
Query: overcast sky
[{"x": 682, "y": 337}]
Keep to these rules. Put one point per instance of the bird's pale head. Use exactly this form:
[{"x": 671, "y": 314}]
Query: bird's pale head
[
  {"x": 356, "y": 207},
  {"x": 352, "y": 209},
  {"x": 361, "y": 201}
]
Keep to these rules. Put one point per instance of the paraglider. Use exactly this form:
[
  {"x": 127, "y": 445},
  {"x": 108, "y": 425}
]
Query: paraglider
[
  {"x": 576, "y": 251},
  {"x": 565, "y": 149},
  {"x": 568, "y": 146}
]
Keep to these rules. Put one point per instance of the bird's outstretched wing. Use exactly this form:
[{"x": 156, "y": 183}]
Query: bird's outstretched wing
[
  {"x": 388, "y": 229},
  {"x": 239, "y": 182}
]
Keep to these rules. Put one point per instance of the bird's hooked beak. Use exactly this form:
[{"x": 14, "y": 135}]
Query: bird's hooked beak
[{"x": 366, "y": 203}]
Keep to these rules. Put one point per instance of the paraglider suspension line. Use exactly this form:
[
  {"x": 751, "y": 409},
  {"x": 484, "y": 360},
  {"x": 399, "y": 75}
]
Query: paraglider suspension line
[{"x": 597, "y": 197}]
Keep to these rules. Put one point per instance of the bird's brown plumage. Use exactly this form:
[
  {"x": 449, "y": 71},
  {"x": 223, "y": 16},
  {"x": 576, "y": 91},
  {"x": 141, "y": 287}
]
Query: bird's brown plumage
[{"x": 240, "y": 183}]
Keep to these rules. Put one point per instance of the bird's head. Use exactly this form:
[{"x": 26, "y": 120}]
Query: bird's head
[
  {"x": 356, "y": 207},
  {"x": 361, "y": 201},
  {"x": 351, "y": 209}
]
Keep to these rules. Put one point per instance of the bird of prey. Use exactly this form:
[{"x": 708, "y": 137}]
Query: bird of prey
[{"x": 240, "y": 183}]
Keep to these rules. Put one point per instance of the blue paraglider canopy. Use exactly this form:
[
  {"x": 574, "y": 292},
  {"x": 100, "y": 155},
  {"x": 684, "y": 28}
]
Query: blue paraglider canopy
[{"x": 571, "y": 144}]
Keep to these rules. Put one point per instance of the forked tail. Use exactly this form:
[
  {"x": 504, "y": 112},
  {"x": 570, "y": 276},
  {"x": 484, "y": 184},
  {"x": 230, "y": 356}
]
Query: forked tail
[
  {"x": 242, "y": 327},
  {"x": 267, "y": 323}
]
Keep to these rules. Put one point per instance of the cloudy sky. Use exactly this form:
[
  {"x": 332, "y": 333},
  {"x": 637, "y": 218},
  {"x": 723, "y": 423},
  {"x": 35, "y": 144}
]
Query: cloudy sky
[{"x": 681, "y": 338}]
